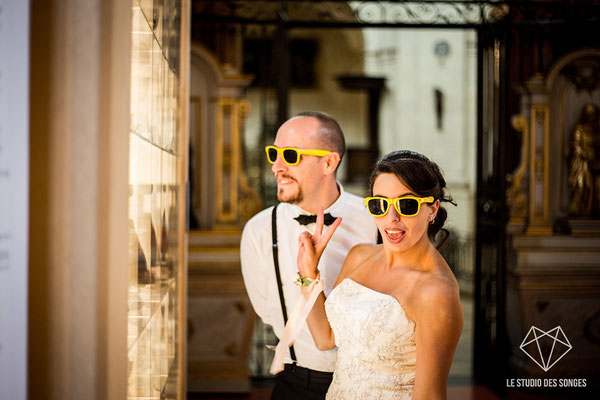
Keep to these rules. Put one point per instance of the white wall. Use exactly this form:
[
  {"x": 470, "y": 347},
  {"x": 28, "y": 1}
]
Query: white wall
[
  {"x": 14, "y": 194},
  {"x": 406, "y": 58}
]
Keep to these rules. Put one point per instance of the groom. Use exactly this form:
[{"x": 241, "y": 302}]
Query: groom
[{"x": 306, "y": 153}]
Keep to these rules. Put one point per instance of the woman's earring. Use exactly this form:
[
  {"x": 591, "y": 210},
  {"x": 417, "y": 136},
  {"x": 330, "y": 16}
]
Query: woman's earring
[{"x": 432, "y": 220}]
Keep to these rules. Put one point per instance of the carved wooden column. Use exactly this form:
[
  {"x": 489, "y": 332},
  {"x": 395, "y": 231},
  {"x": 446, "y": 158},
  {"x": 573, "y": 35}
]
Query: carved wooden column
[
  {"x": 517, "y": 196},
  {"x": 539, "y": 149},
  {"x": 230, "y": 116}
]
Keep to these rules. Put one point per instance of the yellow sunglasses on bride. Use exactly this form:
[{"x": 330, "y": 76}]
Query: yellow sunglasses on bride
[
  {"x": 407, "y": 206},
  {"x": 291, "y": 155}
]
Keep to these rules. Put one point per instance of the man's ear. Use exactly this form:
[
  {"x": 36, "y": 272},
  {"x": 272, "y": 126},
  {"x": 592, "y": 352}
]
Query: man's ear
[{"x": 332, "y": 161}]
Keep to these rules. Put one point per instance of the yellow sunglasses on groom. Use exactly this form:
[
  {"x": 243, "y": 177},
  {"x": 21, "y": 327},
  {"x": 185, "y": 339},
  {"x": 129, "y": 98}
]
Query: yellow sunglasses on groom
[{"x": 291, "y": 155}]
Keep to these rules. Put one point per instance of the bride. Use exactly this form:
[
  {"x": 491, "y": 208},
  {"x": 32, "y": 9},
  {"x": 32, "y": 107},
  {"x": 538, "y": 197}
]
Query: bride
[{"x": 395, "y": 312}]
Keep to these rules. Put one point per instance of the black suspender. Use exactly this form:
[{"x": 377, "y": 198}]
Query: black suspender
[{"x": 278, "y": 275}]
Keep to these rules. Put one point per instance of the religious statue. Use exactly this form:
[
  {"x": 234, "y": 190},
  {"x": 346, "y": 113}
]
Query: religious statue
[{"x": 583, "y": 157}]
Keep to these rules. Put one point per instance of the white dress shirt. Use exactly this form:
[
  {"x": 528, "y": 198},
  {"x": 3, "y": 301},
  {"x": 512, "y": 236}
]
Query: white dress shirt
[{"x": 259, "y": 273}]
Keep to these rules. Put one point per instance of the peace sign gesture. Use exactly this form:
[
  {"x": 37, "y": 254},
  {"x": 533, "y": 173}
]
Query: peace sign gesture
[{"x": 312, "y": 246}]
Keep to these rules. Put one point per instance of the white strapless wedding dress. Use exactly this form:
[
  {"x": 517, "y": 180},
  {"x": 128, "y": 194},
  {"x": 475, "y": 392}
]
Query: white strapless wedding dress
[{"x": 376, "y": 344}]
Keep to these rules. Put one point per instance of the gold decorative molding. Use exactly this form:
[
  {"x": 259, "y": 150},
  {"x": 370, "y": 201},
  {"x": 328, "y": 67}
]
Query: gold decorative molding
[
  {"x": 243, "y": 109},
  {"x": 539, "y": 117},
  {"x": 517, "y": 193},
  {"x": 230, "y": 178},
  {"x": 539, "y": 165},
  {"x": 539, "y": 177},
  {"x": 539, "y": 211},
  {"x": 227, "y": 159},
  {"x": 227, "y": 163},
  {"x": 252, "y": 203}
]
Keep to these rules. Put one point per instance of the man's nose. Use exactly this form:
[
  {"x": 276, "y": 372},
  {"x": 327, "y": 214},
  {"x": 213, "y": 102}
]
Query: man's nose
[{"x": 279, "y": 165}]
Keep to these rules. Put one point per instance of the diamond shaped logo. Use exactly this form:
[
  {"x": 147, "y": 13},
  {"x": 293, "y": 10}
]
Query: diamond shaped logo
[{"x": 546, "y": 348}]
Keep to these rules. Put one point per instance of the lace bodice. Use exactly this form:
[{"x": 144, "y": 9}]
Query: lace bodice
[{"x": 376, "y": 344}]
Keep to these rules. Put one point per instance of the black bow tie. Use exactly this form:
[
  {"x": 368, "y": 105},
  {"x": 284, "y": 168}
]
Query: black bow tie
[{"x": 309, "y": 219}]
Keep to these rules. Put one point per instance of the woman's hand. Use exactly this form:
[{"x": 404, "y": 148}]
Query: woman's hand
[{"x": 312, "y": 246}]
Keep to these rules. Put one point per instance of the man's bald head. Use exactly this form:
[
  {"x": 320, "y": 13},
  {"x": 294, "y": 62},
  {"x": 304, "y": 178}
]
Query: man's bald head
[{"x": 330, "y": 132}]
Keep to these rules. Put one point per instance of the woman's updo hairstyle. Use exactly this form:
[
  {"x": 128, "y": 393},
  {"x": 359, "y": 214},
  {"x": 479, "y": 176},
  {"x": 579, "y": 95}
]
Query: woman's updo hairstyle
[{"x": 422, "y": 176}]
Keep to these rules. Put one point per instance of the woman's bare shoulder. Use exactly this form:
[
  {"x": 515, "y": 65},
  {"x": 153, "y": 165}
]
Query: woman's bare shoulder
[
  {"x": 363, "y": 248},
  {"x": 361, "y": 252},
  {"x": 438, "y": 293},
  {"x": 356, "y": 257}
]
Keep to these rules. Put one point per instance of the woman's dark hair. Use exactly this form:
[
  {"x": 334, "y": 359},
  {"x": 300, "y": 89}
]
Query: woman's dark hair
[{"x": 422, "y": 176}]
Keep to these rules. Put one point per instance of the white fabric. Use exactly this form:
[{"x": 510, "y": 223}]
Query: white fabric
[
  {"x": 259, "y": 274},
  {"x": 376, "y": 344},
  {"x": 294, "y": 324}
]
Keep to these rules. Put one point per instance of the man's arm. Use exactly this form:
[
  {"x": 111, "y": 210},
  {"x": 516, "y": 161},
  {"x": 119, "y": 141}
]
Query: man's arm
[{"x": 255, "y": 274}]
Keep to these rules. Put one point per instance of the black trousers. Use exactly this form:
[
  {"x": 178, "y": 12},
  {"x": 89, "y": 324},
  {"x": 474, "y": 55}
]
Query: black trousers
[{"x": 300, "y": 383}]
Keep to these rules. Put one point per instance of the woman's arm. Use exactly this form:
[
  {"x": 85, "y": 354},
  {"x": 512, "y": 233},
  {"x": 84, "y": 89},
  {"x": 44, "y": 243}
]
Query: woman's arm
[
  {"x": 317, "y": 321},
  {"x": 439, "y": 319},
  {"x": 319, "y": 325},
  {"x": 311, "y": 248}
]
